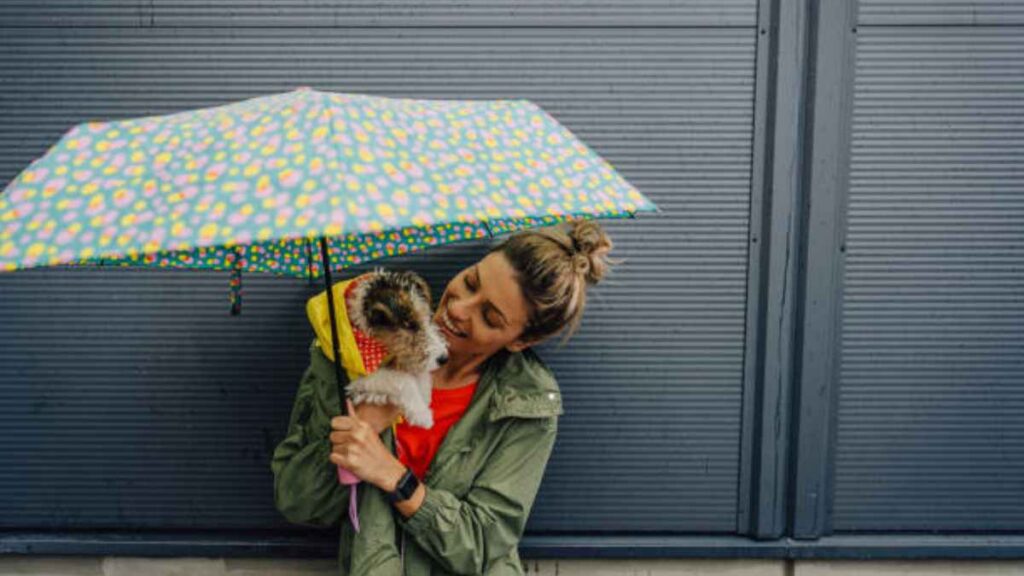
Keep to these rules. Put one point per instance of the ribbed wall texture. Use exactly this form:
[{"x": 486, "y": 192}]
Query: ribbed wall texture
[
  {"x": 931, "y": 435},
  {"x": 445, "y": 13},
  {"x": 931, "y": 12},
  {"x": 131, "y": 398}
]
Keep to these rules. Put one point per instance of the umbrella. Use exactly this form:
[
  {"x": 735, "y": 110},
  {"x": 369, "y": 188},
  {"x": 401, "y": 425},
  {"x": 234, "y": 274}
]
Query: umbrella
[{"x": 302, "y": 182}]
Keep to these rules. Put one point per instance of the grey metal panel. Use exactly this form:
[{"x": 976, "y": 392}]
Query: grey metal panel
[
  {"x": 775, "y": 212},
  {"x": 824, "y": 186},
  {"x": 948, "y": 12},
  {"x": 662, "y": 345},
  {"x": 133, "y": 399},
  {"x": 930, "y": 431},
  {"x": 307, "y": 13}
]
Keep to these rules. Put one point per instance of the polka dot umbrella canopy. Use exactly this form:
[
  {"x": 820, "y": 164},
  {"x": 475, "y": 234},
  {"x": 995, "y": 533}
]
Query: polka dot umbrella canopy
[
  {"x": 256, "y": 185},
  {"x": 270, "y": 183}
]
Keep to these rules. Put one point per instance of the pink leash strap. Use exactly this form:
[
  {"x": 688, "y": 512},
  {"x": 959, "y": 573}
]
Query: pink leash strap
[{"x": 350, "y": 479}]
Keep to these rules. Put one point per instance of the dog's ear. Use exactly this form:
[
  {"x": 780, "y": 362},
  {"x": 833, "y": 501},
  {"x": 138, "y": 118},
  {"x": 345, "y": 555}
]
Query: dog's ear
[{"x": 424, "y": 288}]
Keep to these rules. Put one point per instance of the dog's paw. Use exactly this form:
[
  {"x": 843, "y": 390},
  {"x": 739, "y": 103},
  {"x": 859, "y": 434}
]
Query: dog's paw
[
  {"x": 420, "y": 417},
  {"x": 379, "y": 399},
  {"x": 356, "y": 397}
]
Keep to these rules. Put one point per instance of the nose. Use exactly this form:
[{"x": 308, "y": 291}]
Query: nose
[
  {"x": 442, "y": 359},
  {"x": 457, "y": 308}
]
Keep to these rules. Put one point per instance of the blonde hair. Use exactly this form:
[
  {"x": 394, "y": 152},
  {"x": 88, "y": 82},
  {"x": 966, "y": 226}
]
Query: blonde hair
[{"x": 554, "y": 266}]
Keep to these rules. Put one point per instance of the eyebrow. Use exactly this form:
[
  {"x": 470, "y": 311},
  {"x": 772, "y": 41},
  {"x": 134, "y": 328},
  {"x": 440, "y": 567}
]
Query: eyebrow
[{"x": 480, "y": 285}]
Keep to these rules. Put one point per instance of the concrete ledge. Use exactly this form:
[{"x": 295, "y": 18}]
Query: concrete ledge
[
  {"x": 131, "y": 566},
  {"x": 323, "y": 544}
]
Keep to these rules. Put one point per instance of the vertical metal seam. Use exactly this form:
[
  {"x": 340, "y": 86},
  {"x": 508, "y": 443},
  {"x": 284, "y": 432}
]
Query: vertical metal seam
[
  {"x": 825, "y": 168},
  {"x": 748, "y": 468},
  {"x": 769, "y": 360}
]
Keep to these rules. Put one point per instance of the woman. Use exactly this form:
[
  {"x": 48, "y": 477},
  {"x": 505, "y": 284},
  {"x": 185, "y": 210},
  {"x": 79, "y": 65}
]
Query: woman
[{"x": 463, "y": 503}]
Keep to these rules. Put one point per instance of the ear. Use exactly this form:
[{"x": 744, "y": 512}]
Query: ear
[
  {"x": 424, "y": 288},
  {"x": 519, "y": 345}
]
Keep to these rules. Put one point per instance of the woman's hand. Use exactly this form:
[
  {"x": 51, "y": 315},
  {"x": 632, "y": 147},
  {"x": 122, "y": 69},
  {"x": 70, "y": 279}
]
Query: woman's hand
[
  {"x": 380, "y": 417},
  {"x": 357, "y": 447}
]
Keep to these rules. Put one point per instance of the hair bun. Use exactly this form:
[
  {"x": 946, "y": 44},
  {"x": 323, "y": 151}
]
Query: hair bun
[
  {"x": 581, "y": 263},
  {"x": 592, "y": 246}
]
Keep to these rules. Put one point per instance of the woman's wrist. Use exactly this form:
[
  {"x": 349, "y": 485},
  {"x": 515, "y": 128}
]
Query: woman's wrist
[
  {"x": 393, "y": 473},
  {"x": 390, "y": 484},
  {"x": 409, "y": 507}
]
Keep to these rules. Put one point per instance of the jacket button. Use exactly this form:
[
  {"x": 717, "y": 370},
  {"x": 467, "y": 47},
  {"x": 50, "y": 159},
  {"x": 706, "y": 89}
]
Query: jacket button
[{"x": 551, "y": 395}]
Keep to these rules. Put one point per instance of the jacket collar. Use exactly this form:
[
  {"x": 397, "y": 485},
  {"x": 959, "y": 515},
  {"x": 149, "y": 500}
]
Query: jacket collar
[{"x": 524, "y": 386}]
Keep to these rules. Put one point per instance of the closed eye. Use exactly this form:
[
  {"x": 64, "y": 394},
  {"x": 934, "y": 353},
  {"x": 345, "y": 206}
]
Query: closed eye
[{"x": 471, "y": 288}]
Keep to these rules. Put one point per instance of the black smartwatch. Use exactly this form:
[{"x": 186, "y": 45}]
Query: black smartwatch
[{"x": 406, "y": 487}]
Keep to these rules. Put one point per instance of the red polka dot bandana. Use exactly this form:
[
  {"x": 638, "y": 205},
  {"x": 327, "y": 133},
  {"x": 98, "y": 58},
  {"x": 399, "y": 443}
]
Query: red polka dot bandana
[{"x": 372, "y": 350}]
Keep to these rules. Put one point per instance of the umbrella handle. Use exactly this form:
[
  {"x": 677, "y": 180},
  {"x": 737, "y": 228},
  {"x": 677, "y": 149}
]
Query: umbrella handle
[
  {"x": 346, "y": 477},
  {"x": 351, "y": 480}
]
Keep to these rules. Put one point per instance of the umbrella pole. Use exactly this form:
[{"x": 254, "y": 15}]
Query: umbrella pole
[
  {"x": 334, "y": 323},
  {"x": 344, "y": 476}
]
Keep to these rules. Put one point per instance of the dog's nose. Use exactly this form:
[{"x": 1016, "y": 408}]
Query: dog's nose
[{"x": 442, "y": 359}]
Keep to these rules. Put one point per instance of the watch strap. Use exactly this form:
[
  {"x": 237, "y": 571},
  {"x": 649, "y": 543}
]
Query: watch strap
[{"x": 405, "y": 488}]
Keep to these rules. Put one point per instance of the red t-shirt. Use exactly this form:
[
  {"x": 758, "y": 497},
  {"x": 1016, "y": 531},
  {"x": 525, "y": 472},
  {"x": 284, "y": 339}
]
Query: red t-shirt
[{"x": 416, "y": 446}]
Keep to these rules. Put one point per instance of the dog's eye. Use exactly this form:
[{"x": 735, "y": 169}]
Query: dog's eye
[{"x": 379, "y": 317}]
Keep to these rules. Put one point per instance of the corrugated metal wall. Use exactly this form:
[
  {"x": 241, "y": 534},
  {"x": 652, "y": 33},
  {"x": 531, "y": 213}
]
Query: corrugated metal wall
[
  {"x": 930, "y": 427},
  {"x": 821, "y": 334},
  {"x": 131, "y": 398}
]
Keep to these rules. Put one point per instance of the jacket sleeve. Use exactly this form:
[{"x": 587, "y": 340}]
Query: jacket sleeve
[
  {"x": 466, "y": 535},
  {"x": 306, "y": 487}
]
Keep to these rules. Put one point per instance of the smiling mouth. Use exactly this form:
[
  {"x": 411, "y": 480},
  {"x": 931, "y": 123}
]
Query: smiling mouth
[
  {"x": 449, "y": 332},
  {"x": 446, "y": 324}
]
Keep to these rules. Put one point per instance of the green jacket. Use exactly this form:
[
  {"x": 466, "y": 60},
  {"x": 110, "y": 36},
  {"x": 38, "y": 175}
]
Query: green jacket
[{"x": 479, "y": 487}]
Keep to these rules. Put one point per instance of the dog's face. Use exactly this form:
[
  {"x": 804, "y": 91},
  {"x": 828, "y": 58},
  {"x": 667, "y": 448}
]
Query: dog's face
[{"x": 395, "y": 308}]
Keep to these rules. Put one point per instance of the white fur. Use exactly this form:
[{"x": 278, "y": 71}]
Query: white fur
[{"x": 387, "y": 386}]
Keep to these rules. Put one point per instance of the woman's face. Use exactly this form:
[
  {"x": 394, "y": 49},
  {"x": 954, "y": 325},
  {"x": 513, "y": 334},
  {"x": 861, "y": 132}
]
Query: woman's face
[{"x": 486, "y": 307}]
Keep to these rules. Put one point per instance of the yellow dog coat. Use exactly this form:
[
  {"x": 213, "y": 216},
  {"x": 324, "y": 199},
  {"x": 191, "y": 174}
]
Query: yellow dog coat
[{"x": 360, "y": 353}]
